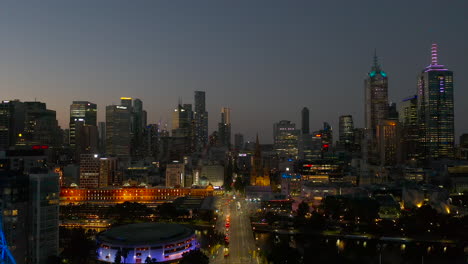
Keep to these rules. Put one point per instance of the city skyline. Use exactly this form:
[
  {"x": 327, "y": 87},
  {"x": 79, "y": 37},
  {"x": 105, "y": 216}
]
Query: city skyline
[{"x": 57, "y": 55}]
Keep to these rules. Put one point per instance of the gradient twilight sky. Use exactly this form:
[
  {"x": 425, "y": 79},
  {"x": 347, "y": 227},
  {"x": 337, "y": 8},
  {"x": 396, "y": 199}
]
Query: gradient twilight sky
[{"x": 263, "y": 59}]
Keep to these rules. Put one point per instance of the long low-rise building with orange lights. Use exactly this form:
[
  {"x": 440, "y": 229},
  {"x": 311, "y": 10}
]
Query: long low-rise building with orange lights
[{"x": 148, "y": 195}]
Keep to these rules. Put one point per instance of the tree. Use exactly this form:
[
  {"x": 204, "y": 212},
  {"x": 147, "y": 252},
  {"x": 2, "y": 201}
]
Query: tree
[
  {"x": 118, "y": 257},
  {"x": 79, "y": 248},
  {"x": 167, "y": 210},
  {"x": 239, "y": 184},
  {"x": 194, "y": 256},
  {"x": 302, "y": 209},
  {"x": 149, "y": 260}
]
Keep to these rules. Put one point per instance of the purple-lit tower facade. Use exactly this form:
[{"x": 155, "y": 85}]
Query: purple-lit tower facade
[{"x": 436, "y": 110}]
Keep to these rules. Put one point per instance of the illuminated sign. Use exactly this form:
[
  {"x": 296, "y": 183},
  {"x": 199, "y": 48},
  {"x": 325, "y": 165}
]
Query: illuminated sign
[
  {"x": 242, "y": 154},
  {"x": 121, "y": 107}
]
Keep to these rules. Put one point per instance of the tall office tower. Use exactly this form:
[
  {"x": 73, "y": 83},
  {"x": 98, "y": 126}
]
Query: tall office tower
[
  {"x": 392, "y": 111},
  {"x": 464, "y": 141},
  {"x": 387, "y": 140},
  {"x": 126, "y": 101},
  {"x": 102, "y": 136},
  {"x": 81, "y": 111},
  {"x": 86, "y": 139},
  {"x": 182, "y": 120},
  {"x": 327, "y": 137},
  {"x": 376, "y": 97},
  {"x": 44, "y": 202},
  {"x": 310, "y": 146},
  {"x": 201, "y": 120},
  {"x": 138, "y": 126},
  {"x": 108, "y": 172},
  {"x": 39, "y": 127},
  {"x": 286, "y": 139},
  {"x": 118, "y": 130},
  {"x": 435, "y": 110},
  {"x": 14, "y": 211},
  {"x": 408, "y": 117},
  {"x": 224, "y": 127},
  {"x": 305, "y": 120},
  {"x": 346, "y": 131},
  {"x": 6, "y": 122},
  {"x": 239, "y": 141},
  {"x": 89, "y": 170},
  {"x": 182, "y": 141}
]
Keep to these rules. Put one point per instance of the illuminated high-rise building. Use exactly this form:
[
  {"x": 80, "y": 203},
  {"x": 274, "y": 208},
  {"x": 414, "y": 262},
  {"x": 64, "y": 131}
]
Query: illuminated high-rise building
[
  {"x": 118, "y": 130},
  {"x": 6, "y": 122},
  {"x": 81, "y": 111},
  {"x": 139, "y": 121},
  {"x": 435, "y": 110},
  {"x": 286, "y": 138},
  {"x": 224, "y": 127},
  {"x": 201, "y": 120},
  {"x": 376, "y": 97},
  {"x": 346, "y": 131},
  {"x": 126, "y": 101},
  {"x": 387, "y": 139},
  {"x": 182, "y": 141},
  {"x": 408, "y": 117}
]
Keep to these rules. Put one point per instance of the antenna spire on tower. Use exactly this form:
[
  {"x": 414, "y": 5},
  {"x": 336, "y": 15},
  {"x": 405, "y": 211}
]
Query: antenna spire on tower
[
  {"x": 434, "y": 57},
  {"x": 376, "y": 65}
]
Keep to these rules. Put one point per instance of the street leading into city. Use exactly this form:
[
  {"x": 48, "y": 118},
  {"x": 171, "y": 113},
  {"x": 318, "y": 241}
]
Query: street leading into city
[{"x": 241, "y": 240}]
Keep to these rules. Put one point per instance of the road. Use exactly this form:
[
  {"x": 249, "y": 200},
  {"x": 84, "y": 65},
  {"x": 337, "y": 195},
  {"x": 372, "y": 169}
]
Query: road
[{"x": 241, "y": 240}]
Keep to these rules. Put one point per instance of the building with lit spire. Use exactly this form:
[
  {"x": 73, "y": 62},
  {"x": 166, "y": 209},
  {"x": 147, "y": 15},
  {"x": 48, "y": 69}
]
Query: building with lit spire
[
  {"x": 376, "y": 97},
  {"x": 436, "y": 110}
]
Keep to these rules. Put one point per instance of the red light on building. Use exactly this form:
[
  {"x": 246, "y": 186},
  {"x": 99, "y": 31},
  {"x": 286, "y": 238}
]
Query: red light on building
[
  {"x": 318, "y": 135},
  {"x": 44, "y": 147},
  {"x": 325, "y": 145},
  {"x": 36, "y": 147},
  {"x": 308, "y": 165}
]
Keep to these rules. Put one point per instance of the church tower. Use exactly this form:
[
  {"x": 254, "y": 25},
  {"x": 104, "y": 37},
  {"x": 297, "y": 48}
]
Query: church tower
[{"x": 259, "y": 176}]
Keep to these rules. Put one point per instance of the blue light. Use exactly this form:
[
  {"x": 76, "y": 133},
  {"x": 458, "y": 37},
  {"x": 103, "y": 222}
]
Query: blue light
[
  {"x": 372, "y": 73},
  {"x": 383, "y": 74}
]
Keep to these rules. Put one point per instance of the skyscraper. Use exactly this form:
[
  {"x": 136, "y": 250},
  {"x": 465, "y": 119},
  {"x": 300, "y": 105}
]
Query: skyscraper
[
  {"x": 6, "y": 122},
  {"x": 44, "y": 200},
  {"x": 408, "y": 117},
  {"x": 346, "y": 131},
  {"x": 435, "y": 110},
  {"x": 224, "y": 127},
  {"x": 126, "y": 101},
  {"x": 286, "y": 138},
  {"x": 182, "y": 131},
  {"x": 81, "y": 111},
  {"x": 376, "y": 97},
  {"x": 201, "y": 120},
  {"x": 118, "y": 130},
  {"x": 238, "y": 141},
  {"x": 327, "y": 137},
  {"x": 138, "y": 125},
  {"x": 305, "y": 120}
]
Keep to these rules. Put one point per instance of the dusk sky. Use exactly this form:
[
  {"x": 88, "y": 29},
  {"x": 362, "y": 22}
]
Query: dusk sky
[{"x": 263, "y": 59}]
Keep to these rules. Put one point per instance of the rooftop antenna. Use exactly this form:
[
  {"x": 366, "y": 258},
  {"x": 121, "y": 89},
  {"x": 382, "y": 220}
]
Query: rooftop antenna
[{"x": 434, "y": 57}]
